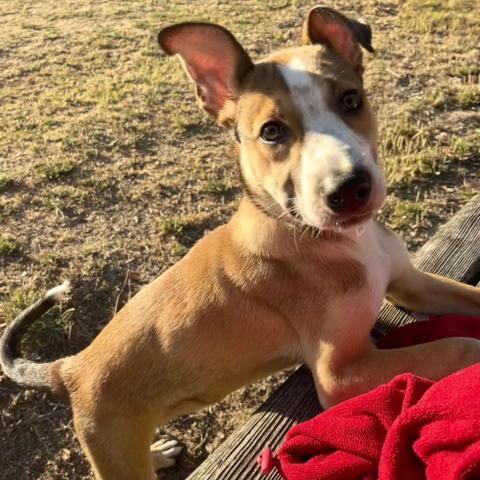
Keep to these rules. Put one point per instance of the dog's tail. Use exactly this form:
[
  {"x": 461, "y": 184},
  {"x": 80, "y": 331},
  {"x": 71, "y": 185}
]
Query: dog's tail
[{"x": 24, "y": 371}]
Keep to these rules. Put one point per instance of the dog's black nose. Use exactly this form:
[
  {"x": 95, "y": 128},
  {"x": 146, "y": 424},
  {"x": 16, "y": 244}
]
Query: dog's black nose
[{"x": 352, "y": 194}]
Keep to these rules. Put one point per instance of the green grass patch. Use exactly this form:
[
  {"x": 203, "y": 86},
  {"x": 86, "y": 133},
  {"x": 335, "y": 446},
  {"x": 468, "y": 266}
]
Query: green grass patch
[
  {"x": 56, "y": 170},
  {"x": 6, "y": 181},
  {"x": 407, "y": 213},
  {"x": 215, "y": 187},
  {"x": 178, "y": 251},
  {"x": 99, "y": 184},
  {"x": 466, "y": 70},
  {"x": 407, "y": 151},
  {"x": 170, "y": 226},
  {"x": 61, "y": 197},
  {"x": 49, "y": 259},
  {"x": 186, "y": 229},
  {"x": 463, "y": 147},
  {"x": 469, "y": 96},
  {"x": 438, "y": 98},
  {"x": 8, "y": 246}
]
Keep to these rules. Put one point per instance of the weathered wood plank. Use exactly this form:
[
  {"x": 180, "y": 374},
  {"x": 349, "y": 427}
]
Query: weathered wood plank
[
  {"x": 454, "y": 252},
  {"x": 293, "y": 402}
]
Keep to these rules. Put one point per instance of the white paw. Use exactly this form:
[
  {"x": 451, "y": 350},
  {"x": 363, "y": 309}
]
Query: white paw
[{"x": 164, "y": 453}]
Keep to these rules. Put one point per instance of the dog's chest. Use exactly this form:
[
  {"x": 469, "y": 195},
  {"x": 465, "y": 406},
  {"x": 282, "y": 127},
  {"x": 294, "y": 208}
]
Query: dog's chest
[
  {"x": 369, "y": 250},
  {"x": 349, "y": 278}
]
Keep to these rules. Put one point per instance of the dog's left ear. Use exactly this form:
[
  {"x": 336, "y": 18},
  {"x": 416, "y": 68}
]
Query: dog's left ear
[
  {"x": 215, "y": 62},
  {"x": 343, "y": 35}
]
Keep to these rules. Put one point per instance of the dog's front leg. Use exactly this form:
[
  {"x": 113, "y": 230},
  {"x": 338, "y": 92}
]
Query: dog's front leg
[
  {"x": 434, "y": 295},
  {"x": 422, "y": 292},
  {"x": 338, "y": 379}
]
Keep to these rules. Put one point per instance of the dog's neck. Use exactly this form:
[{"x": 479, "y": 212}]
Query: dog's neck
[{"x": 259, "y": 234}]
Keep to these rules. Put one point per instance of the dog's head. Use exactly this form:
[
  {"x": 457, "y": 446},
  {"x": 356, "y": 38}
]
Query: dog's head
[{"x": 306, "y": 133}]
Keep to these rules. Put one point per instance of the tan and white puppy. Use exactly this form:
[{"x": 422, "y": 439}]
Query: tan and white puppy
[{"x": 297, "y": 275}]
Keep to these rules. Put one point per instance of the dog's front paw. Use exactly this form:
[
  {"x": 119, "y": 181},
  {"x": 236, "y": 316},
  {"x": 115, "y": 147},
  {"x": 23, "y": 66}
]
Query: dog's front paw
[{"x": 164, "y": 453}]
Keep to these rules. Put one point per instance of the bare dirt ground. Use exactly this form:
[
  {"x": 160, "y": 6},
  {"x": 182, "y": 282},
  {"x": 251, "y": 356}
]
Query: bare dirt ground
[{"x": 109, "y": 172}]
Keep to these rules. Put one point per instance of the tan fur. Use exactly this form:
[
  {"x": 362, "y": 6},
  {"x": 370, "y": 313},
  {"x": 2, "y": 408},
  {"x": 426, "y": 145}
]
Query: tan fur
[
  {"x": 256, "y": 295},
  {"x": 247, "y": 300}
]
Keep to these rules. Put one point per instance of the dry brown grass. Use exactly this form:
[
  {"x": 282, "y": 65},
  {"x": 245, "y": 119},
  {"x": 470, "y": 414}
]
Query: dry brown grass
[{"x": 109, "y": 173}]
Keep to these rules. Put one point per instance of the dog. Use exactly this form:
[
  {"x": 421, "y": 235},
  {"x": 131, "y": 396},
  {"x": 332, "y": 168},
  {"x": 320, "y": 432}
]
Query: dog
[{"x": 298, "y": 274}]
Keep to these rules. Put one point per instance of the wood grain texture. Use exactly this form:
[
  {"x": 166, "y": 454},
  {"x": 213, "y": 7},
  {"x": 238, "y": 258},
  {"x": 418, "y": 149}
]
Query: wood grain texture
[
  {"x": 293, "y": 402},
  {"x": 453, "y": 252}
]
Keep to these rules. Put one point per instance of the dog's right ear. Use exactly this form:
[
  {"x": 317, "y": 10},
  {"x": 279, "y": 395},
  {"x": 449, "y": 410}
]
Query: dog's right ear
[
  {"x": 341, "y": 34},
  {"x": 215, "y": 62}
]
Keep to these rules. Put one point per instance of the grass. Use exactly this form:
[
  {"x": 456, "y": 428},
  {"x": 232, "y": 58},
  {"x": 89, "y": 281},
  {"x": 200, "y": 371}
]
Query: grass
[
  {"x": 439, "y": 16},
  {"x": 412, "y": 144},
  {"x": 6, "y": 181},
  {"x": 185, "y": 229},
  {"x": 406, "y": 214},
  {"x": 464, "y": 148},
  {"x": 8, "y": 246},
  {"x": 216, "y": 187},
  {"x": 61, "y": 197},
  {"x": 178, "y": 251},
  {"x": 469, "y": 96},
  {"x": 110, "y": 173},
  {"x": 49, "y": 259},
  {"x": 56, "y": 170},
  {"x": 409, "y": 152},
  {"x": 170, "y": 226}
]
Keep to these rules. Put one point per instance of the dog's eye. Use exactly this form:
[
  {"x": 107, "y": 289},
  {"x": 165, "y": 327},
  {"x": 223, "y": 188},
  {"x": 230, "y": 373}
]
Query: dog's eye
[
  {"x": 350, "y": 101},
  {"x": 273, "y": 132}
]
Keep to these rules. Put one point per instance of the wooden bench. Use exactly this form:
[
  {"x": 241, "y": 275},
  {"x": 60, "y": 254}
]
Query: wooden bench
[{"x": 453, "y": 252}]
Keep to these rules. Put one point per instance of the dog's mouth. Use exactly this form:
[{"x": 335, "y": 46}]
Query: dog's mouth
[
  {"x": 325, "y": 219},
  {"x": 337, "y": 223},
  {"x": 347, "y": 221},
  {"x": 330, "y": 221}
]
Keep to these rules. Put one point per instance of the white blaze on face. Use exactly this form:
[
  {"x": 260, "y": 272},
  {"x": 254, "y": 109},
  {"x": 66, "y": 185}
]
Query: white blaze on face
[{"x": 330, "y": 147}]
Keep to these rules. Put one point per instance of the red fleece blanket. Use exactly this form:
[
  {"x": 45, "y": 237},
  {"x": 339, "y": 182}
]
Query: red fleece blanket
[{"x": 408, "y": 429}]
